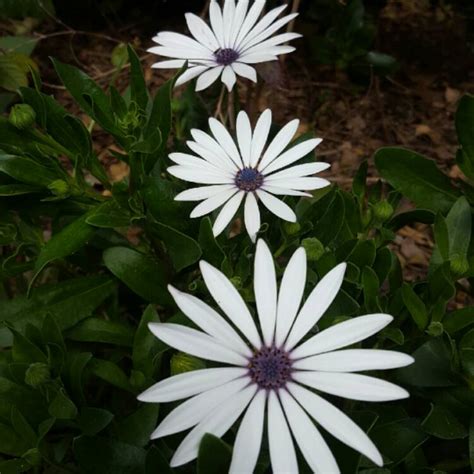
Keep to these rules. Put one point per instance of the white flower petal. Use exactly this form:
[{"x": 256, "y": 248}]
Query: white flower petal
[
  {"x": 283, "y": 191},
  {"x": 203, "y": 192},
  {"x": 196, "y": 175},
  {"x": 275, "y": 40},
  {"x": 354, "y": 360},
  {"x": 227, "y": 20},
  {"x": 260, "y": 135},
  {"x": 180, "y": 53},
  {"x": 209, "y": 77},
  {"x": 282, "y": 450},
  {"x": 291, "y": 291},
  {"x": 239, "y": 17},
  {"x": 352, "y": 386},
  {"x": 342, "y": 334},
  {"x": 298, "y": 171},
  {"x": 274, "y": 50},
  {"x": 276, "y": 206},
  {"x": 189, "y": 384},
  {"x": 249, "y": 21},
  {"x": 251, "y": 216},
  {"x": 230, "y": 301},
  {"x": 209, "y": 321},
  {"x": 169, "y": 64},
  {"x": 315, "y": 306},
  {"x": 257, "y": 58},
  {"x": 189, "y": 74},
  {"x": 201, "y": 31},
  {"x": 225, "y": 140},
  {"x": 265, "y": 289},
  {"x": 228, "y": 77},
  {"x": 212, "y": 145},
  {"x": 185, "y": 159},
  {"x": 279, "y": 143},
  {"x": 335, "y": 422},
  {"x": 220, "y": 161},
  {"x": 195, "y": 343},
  {"x": 315, "y": 450},
  {"x": 170, "y": 39},
  {"x": 245, "y": 70},
  {"x": 249, "y": 437},
  {"x": 299, "y": 183},
  {"x": 215, "y": 16},
  {"x": 227, "y": 213},
  {"x": 193, "y": 411},
  {"x": 213, "y": 202},
  {"x": 216, "y": 423},
  {"x": 293, "y": 154},
  {"x": 244, "y": 136}
]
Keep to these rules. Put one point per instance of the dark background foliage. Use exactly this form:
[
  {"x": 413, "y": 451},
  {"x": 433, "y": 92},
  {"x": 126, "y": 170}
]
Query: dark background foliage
[{"x": 90, "y": 234}]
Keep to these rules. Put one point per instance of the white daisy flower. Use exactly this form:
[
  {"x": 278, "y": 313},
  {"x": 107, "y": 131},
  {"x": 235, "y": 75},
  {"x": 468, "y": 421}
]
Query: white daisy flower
[
  {"x": 234, "y": 40},
  {"x": 234, "y": 171},
  {"x": 272, "y": 373}
]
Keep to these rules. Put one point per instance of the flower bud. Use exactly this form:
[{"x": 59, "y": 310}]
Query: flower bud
[
  {"x": 314, "y": 248},
  {"x": 435, "y": 329},
  {"x": 59, "y": 187},
  {"x": 33, "y": 457},
  {"x": 291, "y": 228},
  {"x": 22, "y": 116},
  {"x": 459, "y": 265},
  {"x": 37, "y": 374},
  {"x": 383, "y": 210},
  {"x": 181, "y": 362}
]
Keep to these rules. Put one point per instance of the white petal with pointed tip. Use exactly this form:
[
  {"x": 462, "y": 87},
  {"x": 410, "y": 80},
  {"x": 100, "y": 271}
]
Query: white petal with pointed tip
[
  {"x": 265, "y": 289},
  {"x": 249, "y": 437},
  {"x": 354, "y": 360},
  {"x": 306, "y": 184},
  {"x": 352, "y": 386},
  {"x": 194, "y": 410},
  {"x": 229, "y": 300},
  {"x": 213, "y": 146},
  {"x": 283, "y": 191},
  {"x": 227, "y": 213},
  {"x": 195, "y": 175},
  {"x": 228, "y": 77},
  {"x": 244, "y": 136},
  {"x": 276, "y": 206},
  {"x": 343, "y": 334},
  {"x": 315, "y": 450},
  {"x": 209, "y": 77},
  {"x": 201, "y": 31},
  {"x": 290, "y": 295},
  {"x": 225, "y": 140},
  {"x": 203, "y": 192},
  {"x": 189, "y": 74},
  {"x": 244, "y": 70},
  {"x": 335, "y": 422},
  {"x": 298, "y": 171},
  {"x": 213, "y": 202},
  {"x": 315, "y": 306},
  {"x": 260, "y": 135},
  {"x": 217, "y": 423},
  {"x": 219, "y": 159},
  {"x": 251, "y": 216},
  {"x": 190, "y": 383},
  {"x": 195, "y": 343},
  {"x": 282, "y": 450}
]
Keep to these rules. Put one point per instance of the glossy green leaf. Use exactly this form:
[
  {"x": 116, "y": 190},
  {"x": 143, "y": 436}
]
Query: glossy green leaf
[
  {"x": 415, "y": 306},
  {"x": 111, "y": 373},
  {"x": 27, "y": 170},
  {"x": 101, "y": 330},
  {"x": 214, "y": 455},
  {"x": 109, "y": 215},
  {"x": 62, "y": 407},
  {"x": 11, "y": 443},
  {"x": 440, "y": 422},
  {"x": 93, "y": 420},
  {"x": 459, "y": 224},
  {"x": 136, "y": 428},
  {"x": 138, "y": 90},
  {"x": 416, "y": 177},
  {"x": 459, "y": 319},
  {"x": 140, "y": 272},
  {"x": 211, "y": 250},
  {"x": 465, "y": 132}
]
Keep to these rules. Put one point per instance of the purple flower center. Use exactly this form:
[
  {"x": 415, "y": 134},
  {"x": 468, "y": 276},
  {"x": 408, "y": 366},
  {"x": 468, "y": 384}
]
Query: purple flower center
[
  {"x": 248, "y": 179},
  {"x": 226, "y": 56},
  {"x": 270, "y": 368}
]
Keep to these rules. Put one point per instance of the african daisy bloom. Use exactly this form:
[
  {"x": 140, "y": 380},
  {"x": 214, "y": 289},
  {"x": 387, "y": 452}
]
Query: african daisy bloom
[
  {"x": 235, "y": 39},
  {"x": 246, "y": 169},
  {"x": 272, "y": 373}
]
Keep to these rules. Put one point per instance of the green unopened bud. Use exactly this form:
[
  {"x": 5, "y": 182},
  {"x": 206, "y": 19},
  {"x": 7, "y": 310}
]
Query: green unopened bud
[
  {"x": 291, "y": 228},
  {"x": 314, "y": 248},
  {"x": 33, "y": 457},
  {"x": 383, "y": 210},
  {"x": 119, "y": 55},
  {"x": 181, "y": 363},
  {"x": 37, "y": 374},
  {"x": 22, "y": 116},
  {"x": 435, "y": 329},
  {"x": 459, "y": 265},
  {"x": 59, "y": 187}
]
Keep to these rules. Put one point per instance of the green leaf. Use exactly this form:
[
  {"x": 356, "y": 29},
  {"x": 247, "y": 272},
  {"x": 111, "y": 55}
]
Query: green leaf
[
  {"x": 441, "y": 236},
  {"x": 23, "y": 428},
  {"x": 416, "y": 177},
  {"x": 14, "y": 69},
  {"x": 75, "y": 372},
  {"x": 24, "y": 350},
  {"x": 140, "y": 272},
  {"x": 458, "y": 320},
  {"x": 109, "y": 215},
  {"x": 415, "y": 306},
  {"x": 62, "y": 407},
  {"x": 14, "y": 466},
  {"x": 459, "y": 223},
  {"x": 370, "y": 285},
  {"x": 18, "y": 43},
  {"x": 17, "y": 189},
  {"x": 137, "y": 428},
  {"x": 27, "y": 170},
  {"x": 440, "y": 422},
  {"x": 11, "y": 443},
  {"x": 101, "y": 330},
  {"x": 66, "y": 242},
  {"x": 214, "y": 455},
  {"x": 145, "y": 345},
  {"x": 330, "y": 224},
  {"x": 182, "y": 249},
  {"x": 211, "y": 250},
  {"x": 465, "y": 131},
  {"x": 111, "y": 373},
  {"x": 471, "y": 441},
  {"x": 157, "y": 463},
  {"x": 408, "y": 217},
  {"x": 93, "y": 420},
  {"x": 97, "y": 455},
  {"x": 138, "y": 90}
]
